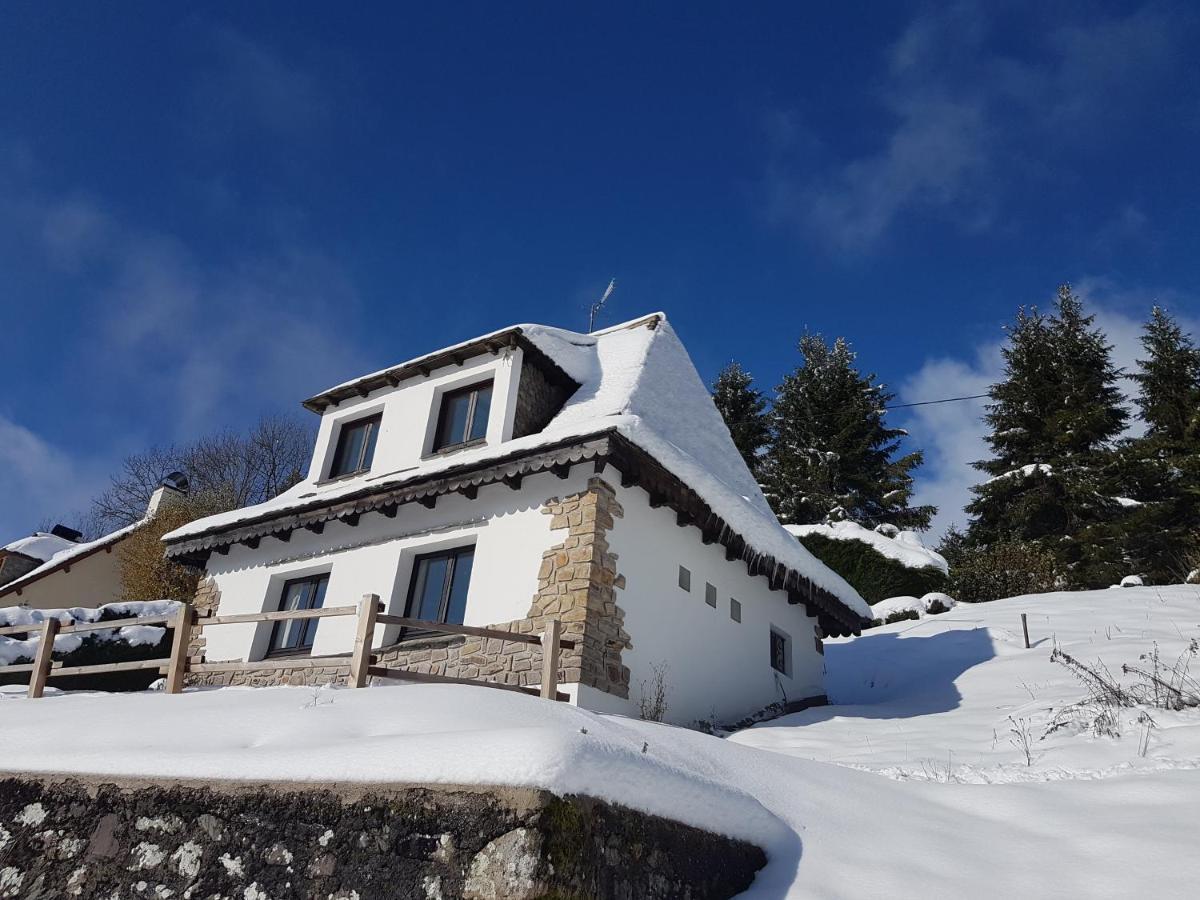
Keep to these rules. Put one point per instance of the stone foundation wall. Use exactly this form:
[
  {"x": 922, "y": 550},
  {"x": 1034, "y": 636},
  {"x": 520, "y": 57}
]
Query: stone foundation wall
[
  {"x": 106, "y": 839},
  {"x": 577, "y": 584}
]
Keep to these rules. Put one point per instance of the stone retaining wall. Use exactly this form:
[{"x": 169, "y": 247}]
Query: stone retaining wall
[{"x": 101, "y": 839}]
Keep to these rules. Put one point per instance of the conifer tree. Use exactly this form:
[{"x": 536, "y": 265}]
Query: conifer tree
[
  {"x": 1054, "y": 421},
  {"x": 745, "y": 412},
  {"x": 833, "y": 455},
  {"x": 1162, "y": 467}
]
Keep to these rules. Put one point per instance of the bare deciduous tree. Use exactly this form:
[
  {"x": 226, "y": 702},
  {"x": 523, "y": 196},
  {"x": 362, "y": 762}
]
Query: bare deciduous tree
[{"x": 227, "y": 470}]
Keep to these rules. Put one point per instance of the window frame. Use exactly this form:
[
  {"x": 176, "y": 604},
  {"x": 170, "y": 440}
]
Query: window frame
[
  {"x": 452, "y": 554},
  {"x": 735, "y": 609},
  {"x": 472, "y": 390},
  {"x": 375, "y": 421},
  {"x": 685, "y": 579},
  {"x": 308, "y": 632},
  {"x": 710, "y": 594},
  {"x": 785, "y": 642}
]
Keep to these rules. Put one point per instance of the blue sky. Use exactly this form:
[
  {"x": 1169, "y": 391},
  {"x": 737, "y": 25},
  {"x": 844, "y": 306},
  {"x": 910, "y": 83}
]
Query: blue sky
[{"x": 206, "y": 215}]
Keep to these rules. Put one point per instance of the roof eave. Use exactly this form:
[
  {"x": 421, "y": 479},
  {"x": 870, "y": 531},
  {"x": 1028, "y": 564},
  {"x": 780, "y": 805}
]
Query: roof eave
[
  {"x": 637, "y": 468},
  {"x": 360, "y": 388}
]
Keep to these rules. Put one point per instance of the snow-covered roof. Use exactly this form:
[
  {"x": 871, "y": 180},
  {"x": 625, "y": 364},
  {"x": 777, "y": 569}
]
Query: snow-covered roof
[
  {"x": 906, "y": 547},
  {"x": 68, "y": 554},
  {"x": 39, "y": 545},
  {"x": 638, "y": 380}
]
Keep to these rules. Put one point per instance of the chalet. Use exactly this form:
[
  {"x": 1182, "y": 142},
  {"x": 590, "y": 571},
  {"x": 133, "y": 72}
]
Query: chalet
[
  {"x": 58, "y": 569},
  {"x": 529, "y": 474}
]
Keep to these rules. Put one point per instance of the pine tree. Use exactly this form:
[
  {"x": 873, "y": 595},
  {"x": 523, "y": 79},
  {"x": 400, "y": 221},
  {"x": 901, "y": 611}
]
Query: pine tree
[
  {"x": 833, "y": 456},
  {"x": 744, "y": 411},
  {"x": 1054, "y": 420},
  {"x": 1162, "y": 467}
]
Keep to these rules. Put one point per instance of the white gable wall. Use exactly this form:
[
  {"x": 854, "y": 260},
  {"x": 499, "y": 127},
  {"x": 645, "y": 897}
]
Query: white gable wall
[
  {"x": 410, "y": 410},
  {"x": 715, "y": 667},
  {"x": 507, "y": 528}
]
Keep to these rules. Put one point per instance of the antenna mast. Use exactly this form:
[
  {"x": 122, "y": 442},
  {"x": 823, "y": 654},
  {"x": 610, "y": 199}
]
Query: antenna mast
[{"x": 599, "y": 305}]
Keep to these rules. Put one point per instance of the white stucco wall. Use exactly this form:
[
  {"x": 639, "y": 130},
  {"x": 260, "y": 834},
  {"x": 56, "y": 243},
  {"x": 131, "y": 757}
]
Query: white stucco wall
[
  {"x": 409, "y": 413},
  {"x": 507, "y": 528},
  {"x": 716, "y": 668}
]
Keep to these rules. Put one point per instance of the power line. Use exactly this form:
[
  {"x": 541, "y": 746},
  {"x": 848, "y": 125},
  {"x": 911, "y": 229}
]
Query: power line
[{"x": 931, "y": 402}]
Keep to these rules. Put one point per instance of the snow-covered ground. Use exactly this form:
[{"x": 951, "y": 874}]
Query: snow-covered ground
[{"x": 913, "y": 786}]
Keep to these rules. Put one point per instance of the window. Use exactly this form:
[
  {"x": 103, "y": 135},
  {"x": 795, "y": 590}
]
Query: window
[
  {"x": 464, "y": 417},
  {"x": 685, "y": 579},
  {"x": 735, "y": 610},
  {"x": 355, "y": 447},
  {"x": 438, "y": 591},
  {"x": 296, "y": 635},
  {"x": 710, "y": 595},
  {"x": 781, "y": 652}
]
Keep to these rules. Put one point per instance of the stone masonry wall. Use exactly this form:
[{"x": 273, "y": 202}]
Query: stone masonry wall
[
  {"x": 577, "y": 584},
  {"x": 104, "y": 838},
  {"x": 206, "y": 601}
]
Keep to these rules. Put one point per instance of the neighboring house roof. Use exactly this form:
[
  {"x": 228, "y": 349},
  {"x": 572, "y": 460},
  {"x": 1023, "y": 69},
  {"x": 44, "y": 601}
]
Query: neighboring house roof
[
  {"x": 39, "y": 546},
  {"x": 65, "y": 557},
  {"x": 637, "y": 387}
]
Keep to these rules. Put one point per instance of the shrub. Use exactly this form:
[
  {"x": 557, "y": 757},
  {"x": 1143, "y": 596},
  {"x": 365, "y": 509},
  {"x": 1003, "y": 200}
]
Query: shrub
[
  {"x": 1003, "y": 569},
  {"x": 875, "y": 576},
  {"x": 937, "y": 607},
  {"x": 145, "y": 573}
]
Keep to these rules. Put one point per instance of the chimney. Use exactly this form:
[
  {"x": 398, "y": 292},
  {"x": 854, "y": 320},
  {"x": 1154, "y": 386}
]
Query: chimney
[
  {"x": 69, "y": 534},
  {"x": 172, "y": 489}
]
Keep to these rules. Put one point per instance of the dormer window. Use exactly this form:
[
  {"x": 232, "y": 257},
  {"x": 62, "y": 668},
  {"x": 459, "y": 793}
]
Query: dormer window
[
  {"x": 463, "y": 418},
  {"x": 355, "y": 447}
]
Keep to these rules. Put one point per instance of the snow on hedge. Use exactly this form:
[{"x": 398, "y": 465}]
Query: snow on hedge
[
  {"x": 13, "y": 649},
  {"x": 906, "y": 547},
  {"x": 919, "y": 605}
]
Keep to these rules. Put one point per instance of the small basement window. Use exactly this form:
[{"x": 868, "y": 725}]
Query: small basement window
[
  {"x": 463, "y": 418},
  {"x": 685, "y": 579},
  {"x": 710, "y": 595},
  {"x": 735, "y": 610},
  {"x": 781, "y": 652},
  {"x": 295, "y": 636},
  {"x": 355, "y": 447}
]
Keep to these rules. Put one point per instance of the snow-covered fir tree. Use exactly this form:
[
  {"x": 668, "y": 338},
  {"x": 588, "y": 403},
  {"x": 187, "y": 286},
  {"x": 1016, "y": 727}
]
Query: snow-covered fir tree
[
  {"x": 745, "y": 412},
  {"x": 1162, "y": 467},
  {"x": 1054, "y": 421},
  {"x": 832, "y": 455}
]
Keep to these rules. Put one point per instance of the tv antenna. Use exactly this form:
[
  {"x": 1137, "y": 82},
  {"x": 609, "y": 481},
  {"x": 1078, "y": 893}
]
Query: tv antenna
[{"x": 599, "y": 304}]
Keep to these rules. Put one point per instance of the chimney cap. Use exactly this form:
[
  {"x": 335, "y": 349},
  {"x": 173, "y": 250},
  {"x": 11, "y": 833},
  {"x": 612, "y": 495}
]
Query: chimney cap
[
  {"x": 176, "y": 481},
  {"x": 68, "y": 534}
]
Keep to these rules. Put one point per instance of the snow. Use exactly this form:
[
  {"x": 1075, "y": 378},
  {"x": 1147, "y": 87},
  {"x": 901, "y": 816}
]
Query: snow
[
  {"x": 69, "y": 552},
  {"x": 910, "y": 787},
  {"x": 13, "y": 649},
  {"x": 1025, "y": 471},
  {"x": 919, "y": 605},
  {"x": 636, "y": 380},
  {"x": 1131, "y": 581},
  {"x": 40, "y": 545},
  {"x": 906, "y": 547}
]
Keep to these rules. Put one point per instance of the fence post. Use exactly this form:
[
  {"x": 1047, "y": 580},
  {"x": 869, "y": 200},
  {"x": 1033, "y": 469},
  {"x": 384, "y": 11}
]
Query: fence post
[
  {"x": 44, "y": 657},
  {"x": 550, "y": 639},
  {"x": 179, "y": 649},
  {"x": 1025, "y": 628},
  {"x": 360, "y": 658}
]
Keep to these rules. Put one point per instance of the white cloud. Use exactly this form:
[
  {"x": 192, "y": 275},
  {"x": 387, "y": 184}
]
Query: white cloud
[
  {"x": 39, "y": 481},
  {"x": 952, "y": 434},
  {"x": 962, "y": 118}
]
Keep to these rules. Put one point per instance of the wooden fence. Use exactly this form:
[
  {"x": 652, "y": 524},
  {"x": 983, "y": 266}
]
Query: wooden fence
[{"x": 361, "y": 661}]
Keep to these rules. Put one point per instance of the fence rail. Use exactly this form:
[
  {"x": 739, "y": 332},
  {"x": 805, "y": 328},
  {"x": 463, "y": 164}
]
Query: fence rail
[{"x": 360, "y": 661}]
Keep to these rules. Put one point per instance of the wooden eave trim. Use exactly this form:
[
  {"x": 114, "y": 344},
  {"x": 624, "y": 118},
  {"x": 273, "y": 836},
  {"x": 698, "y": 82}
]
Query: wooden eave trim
[
  {"x": 390, "y": 378},
  {"x": 636, "y": 467}
]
